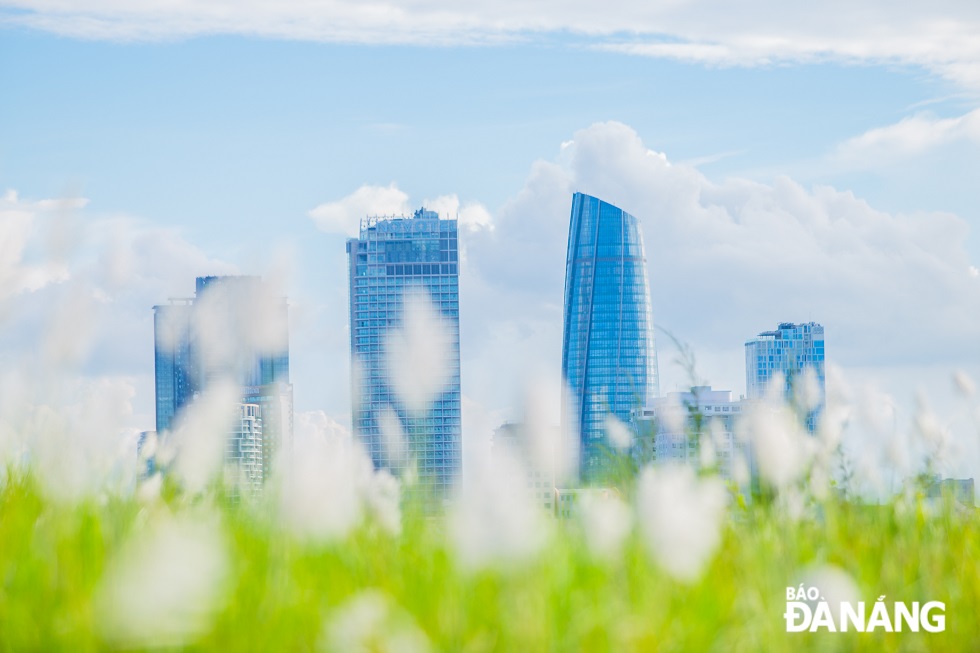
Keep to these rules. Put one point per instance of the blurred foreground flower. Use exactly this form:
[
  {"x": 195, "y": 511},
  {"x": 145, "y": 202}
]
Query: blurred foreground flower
[
  {"x": 165, "y": 586},
  {"x": 681, "y": 518},
  {"x": 328, "y": 485},
  {"x": 836, "y": 586},
  {"x": 198, "y": 444},
  {"x": 494, "y": 519},
  {"x": 618, "y": 433},
  {"x": 781, "y": 447},
  {"x": 418, "y": 353},
  {"x": 964, "y": 384},
  {"x": 371, "y": 622},
  {"x": 606, "y": 521}
]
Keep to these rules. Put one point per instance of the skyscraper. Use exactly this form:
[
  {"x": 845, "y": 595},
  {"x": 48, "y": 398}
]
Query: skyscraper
[
  {"x": 234, "y": 329},
  {"x": 392, "y": 257},
  {"x": 609, "y": 358},
  {"x": 790, "y": 351},
  {"x": 176, "y": 375}
]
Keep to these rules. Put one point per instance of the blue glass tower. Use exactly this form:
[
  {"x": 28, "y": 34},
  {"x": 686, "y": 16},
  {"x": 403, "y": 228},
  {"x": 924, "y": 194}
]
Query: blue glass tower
[
  {"x": 176, "y": 374},
  {"x": 789, "y": 350},
  {"x": 197, "y": 340},
  {"x": 608, "y": 355},
  {"x": 393, "y": 255}
]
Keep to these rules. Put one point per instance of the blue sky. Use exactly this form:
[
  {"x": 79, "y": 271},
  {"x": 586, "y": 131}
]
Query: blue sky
[
  {"x": 204, "y": 129},
  {"x": 208, "y": 133}
]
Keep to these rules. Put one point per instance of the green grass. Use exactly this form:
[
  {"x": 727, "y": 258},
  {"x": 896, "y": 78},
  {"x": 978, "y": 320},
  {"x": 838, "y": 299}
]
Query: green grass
[{"x": 280, "y": 592}]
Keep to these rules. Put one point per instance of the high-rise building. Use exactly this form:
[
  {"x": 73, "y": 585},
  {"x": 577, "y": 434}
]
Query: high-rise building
[
  {"x": 234, "y": 329},
  {"x": 175, "y": 371},
  {"x": 245, "y": 445},
  {"x": 394, "y": 256},
  {"x": 793, "y": 352},
  {"x": 609, "y": 359}
]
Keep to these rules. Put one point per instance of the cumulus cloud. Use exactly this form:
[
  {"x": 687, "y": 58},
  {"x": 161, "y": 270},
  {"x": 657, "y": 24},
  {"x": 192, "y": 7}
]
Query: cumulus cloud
[
  {"x": 730, "y": 259},
  {"x": 939, "y": 36},
  {"x": 77, "y": 336},
  {"x": 19, "y": 271},
  {"x": 344, "y": 215},
  {"x": 907, "y": 138}
]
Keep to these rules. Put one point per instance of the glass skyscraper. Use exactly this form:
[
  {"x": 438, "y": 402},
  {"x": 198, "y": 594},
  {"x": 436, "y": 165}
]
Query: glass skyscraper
[
  {"x": 609, "y": 359},
  {"x": 201, "y": 339},
  {"x": 790, "y": 350},
  {"x": 392, "y": 256}
]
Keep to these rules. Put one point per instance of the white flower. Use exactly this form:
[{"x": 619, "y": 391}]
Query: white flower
[
  {"x": 327, "y": 485},
  {"x": 780, "y": 446},
  {"x": 165, "y": 586},
  {"x": 964, "y": 384},
  {"x": 606, "y": 521},
  {"x": 494, "y": 520},
  {"x": 418, "y": 353},
  {"x": 836, "y": 586},
  {"x": 929, "y": 428},
  {"x": 382, "y": 497},
  {"x": 393, "y": 440},
  {"x": 713, "y": 439},
  {"x": 371, "y": 622},
  {"x": 680, "y": 517},
  {"x": 319, "y": 488},
  {"x": 237, "y": 317},
  {"x": 807, "y": 392},
  {"x": 741, "y": 474},
  {"x": 674, "y": 415},
  {"x": 201, "y": 436},
  {"x": 618, "y": 433},
  {"x": 550, "y": 449},
  {"x": 148, "y": 491}
]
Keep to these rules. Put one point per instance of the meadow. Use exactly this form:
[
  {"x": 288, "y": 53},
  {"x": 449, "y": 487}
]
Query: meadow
[{"x": 171, "y": 570}]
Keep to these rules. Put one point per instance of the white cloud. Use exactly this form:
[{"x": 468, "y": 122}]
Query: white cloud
[
  {"x": 19, "y": 270},
  {"x": 472, "y": 215},
  {"x": 76, "y": 314},
  {"x": 907, "y": 138},
  {"x": 940, "y": 36},
  {"x": 730, "y": 259},
  {"x": 344, "y": 215}
]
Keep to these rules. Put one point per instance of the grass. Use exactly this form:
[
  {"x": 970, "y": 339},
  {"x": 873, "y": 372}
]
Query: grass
[{"x": 285, "y": 594}]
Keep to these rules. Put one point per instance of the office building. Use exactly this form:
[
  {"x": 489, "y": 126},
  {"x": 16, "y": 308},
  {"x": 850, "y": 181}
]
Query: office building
[
  {"x": 608, "y": 355},
  {"x": 795, "y": 354},
  {"x": 244, "y": 446},
  {"x": 394, "y": 256},
  {"x": 234, "y": 328}
]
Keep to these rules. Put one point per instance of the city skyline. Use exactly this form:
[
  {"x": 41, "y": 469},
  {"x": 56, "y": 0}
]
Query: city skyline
[{"x": 774, "y": 186}]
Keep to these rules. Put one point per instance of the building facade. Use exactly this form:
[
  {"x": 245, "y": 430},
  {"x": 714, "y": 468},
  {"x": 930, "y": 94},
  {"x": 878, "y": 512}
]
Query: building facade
[
  {"x": 245, "y": 445},
  {"x": 609, "y": 359},
  {"x": 235, "y": 328},
  {"x": 792, "y": 352},
  {"x": 391, "y": 257},
  {"x": 682, "y": 425}
]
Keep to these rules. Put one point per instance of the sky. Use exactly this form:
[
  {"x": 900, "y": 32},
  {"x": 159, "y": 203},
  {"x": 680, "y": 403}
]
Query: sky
[{"x": 787, "y": 163}]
